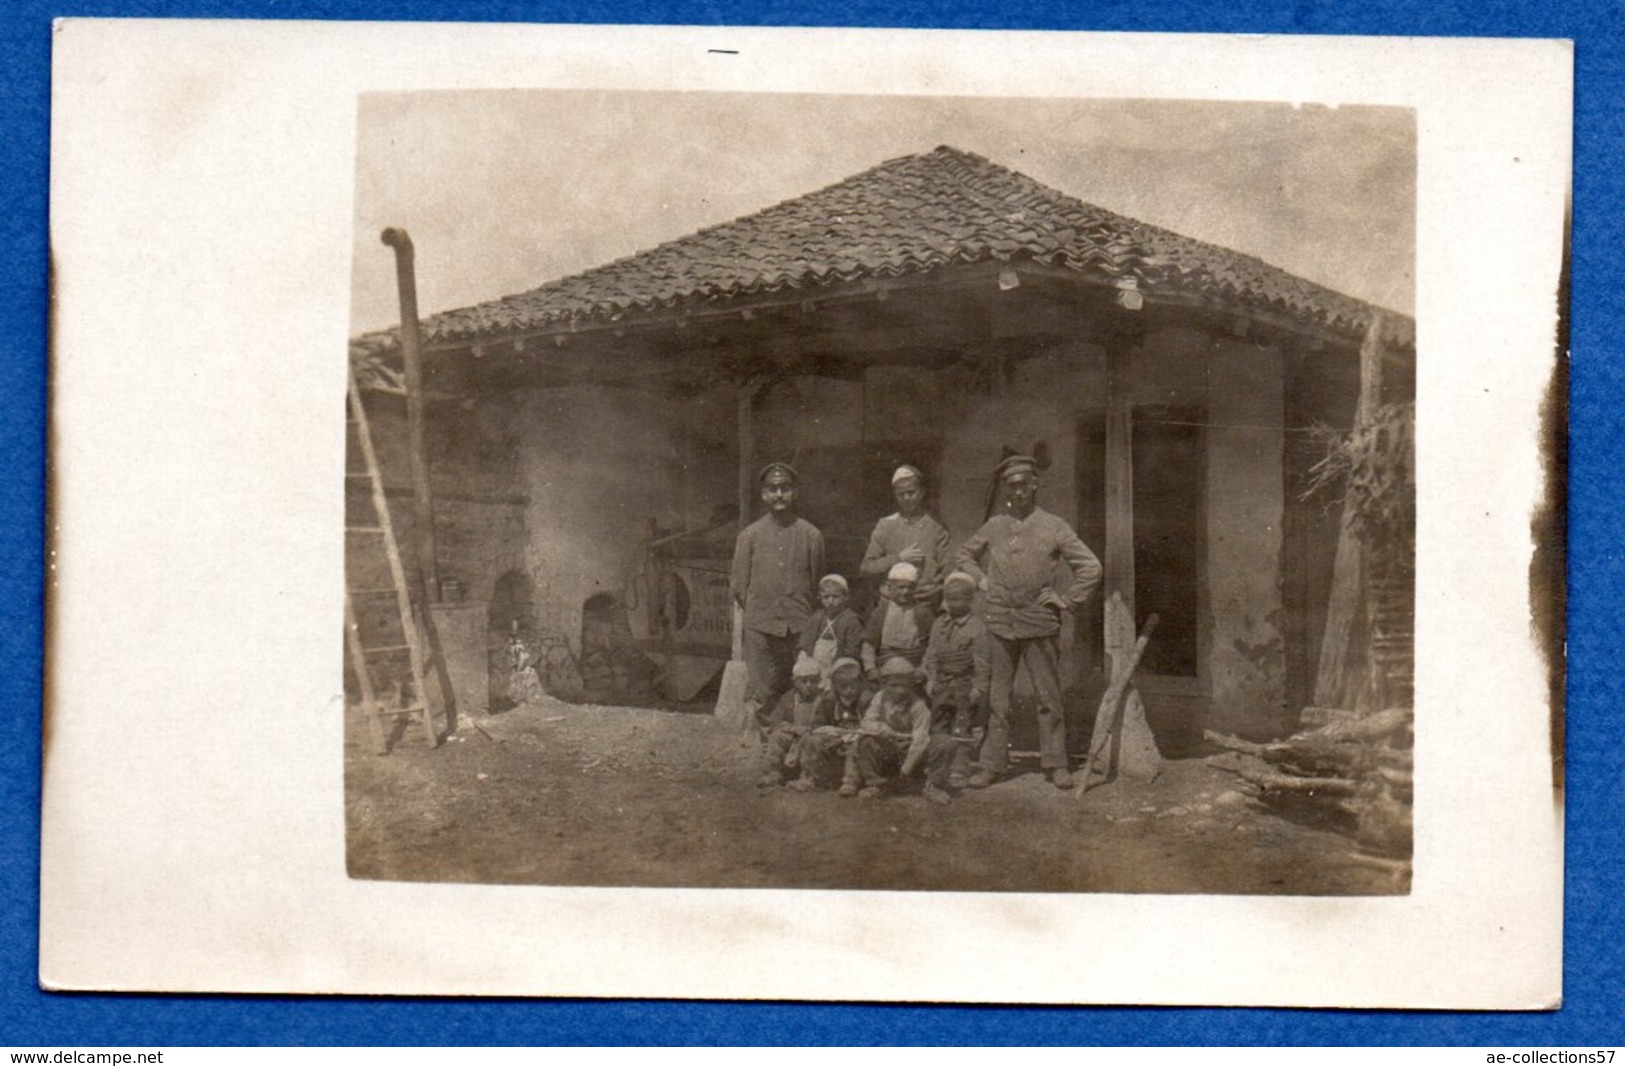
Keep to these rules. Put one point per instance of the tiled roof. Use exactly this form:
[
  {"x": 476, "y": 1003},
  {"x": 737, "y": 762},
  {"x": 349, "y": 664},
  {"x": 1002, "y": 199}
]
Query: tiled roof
[{"x": 909, "y": 216}]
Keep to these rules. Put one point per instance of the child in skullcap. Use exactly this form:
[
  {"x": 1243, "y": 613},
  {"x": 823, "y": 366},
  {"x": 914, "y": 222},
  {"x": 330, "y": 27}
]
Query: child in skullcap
[
  {"x": 834, "y": 631},
  {"x": 824, "y": 748},
  {"x": 900, "y": 623},
  {"x": 790, "y": 719}
]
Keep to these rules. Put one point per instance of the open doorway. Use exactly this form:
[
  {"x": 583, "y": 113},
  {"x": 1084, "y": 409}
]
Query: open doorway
[{"x": 1170, "y": 550}]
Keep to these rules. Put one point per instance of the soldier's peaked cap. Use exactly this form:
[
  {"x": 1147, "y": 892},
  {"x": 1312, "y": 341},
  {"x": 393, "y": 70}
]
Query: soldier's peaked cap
[{"x": 1016, "y": 464}]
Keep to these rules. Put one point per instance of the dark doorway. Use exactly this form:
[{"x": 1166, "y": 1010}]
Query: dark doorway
[
  {"x": 1170, "y": 547},
  {"x": 847, "y": 489}
]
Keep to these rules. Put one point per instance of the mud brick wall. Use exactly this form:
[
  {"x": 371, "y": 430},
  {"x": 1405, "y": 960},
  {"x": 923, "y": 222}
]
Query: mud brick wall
[
  {"x": 479, "y": 506},
  {"x": 600, "y": 467}
]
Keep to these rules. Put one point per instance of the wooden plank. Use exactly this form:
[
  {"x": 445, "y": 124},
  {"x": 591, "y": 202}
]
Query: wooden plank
[
  {"x": 1341, "y": 608},
  {"x": 1109, "y": 719}
]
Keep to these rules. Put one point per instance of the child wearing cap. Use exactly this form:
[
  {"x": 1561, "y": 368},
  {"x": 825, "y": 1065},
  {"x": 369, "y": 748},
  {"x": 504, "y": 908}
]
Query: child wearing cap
[
  {"x": 823, "y": 751},
  {"x": 895, "y": 741},
  {"x": 908, "y": 536},
  {"x": 791, "y": 717},
  {"x": 834, "y": 631},
  {"x": 956, "y": 667},
  {"x": 900, "y": 623}
]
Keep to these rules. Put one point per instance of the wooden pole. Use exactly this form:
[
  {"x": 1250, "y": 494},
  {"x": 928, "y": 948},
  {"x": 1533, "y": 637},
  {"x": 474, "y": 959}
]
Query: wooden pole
[
  {"x": 1332, "y": 679},
  {"x": 1370, "y": 371},
  {"x": 422, "y": 495},
  {"x": 746, "y": 401},
  {"x": 412, "y": 355},
  {"x": 1119, "y": 561}
]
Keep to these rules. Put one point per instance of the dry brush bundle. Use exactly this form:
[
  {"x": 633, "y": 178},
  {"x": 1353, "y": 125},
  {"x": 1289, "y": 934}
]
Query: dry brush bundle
[{"x": 1375, "y": 465}]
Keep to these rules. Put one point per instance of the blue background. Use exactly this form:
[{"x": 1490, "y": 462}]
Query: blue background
[{"x": 1595, "y": 899}]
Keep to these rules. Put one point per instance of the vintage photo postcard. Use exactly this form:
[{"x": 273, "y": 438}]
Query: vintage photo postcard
[{"x": 805, "y": 514}]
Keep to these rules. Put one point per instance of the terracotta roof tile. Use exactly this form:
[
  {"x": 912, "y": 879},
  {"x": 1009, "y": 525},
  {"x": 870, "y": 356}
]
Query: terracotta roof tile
[{"x": 909, "y": 216}]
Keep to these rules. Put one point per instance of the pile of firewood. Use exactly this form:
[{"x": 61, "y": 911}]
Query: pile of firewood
[{"x": 1357, "y": 763}]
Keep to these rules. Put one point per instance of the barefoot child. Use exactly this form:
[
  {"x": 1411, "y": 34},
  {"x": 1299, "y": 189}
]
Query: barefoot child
[
  {"x": 895, "y": 741},
  {"x": 790, "y": 719}
]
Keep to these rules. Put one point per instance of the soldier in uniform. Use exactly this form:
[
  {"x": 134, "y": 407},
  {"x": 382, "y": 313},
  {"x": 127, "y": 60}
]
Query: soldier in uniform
[
  {"x": 1015, "y": 558},
  {"x": 777, "y": 561}
]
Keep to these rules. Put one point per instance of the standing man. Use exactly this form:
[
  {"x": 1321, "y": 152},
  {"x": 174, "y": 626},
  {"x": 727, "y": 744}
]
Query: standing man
[
  {"x": 1014, "y": 558},
  {"x": 777, "y": 561},
  {"x": 909, "y": 536}
]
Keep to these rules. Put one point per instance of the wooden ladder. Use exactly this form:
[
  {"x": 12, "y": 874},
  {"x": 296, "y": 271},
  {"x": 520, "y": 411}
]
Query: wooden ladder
[{"x": 362, "y": 656}]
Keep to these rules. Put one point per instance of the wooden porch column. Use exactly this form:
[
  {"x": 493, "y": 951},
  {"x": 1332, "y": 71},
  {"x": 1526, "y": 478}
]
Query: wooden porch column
[
  {"x": 1335, "y": 686},
  {"x": 1119, "y": 558},
  {"x": 746, "y": 401}
]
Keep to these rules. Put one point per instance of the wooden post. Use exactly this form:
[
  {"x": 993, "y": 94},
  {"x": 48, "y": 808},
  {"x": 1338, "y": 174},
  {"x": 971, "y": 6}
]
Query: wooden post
[
  {"x": 1119, "y": 561},
  {"x": 1370, "y": 371},
  {"x": 1332, "y": 687},
  {"x": 412, "y": 356},
  {"x": 422, "y": 495},
  {"x": 747, "y": 452}
]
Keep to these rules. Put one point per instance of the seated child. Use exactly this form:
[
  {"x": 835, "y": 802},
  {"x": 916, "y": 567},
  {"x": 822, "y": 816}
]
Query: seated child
[
  {"x": 824, "y": 748},
  {"x": 956, "y": 669},
  {"x": 787, "y": 722},
  {"x": 895, "y": 741},
  {"x": 834, "y": 631},
  {"x": 898, "y": 626}
]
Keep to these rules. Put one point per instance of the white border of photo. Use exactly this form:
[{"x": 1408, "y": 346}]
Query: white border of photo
[{"x": 202, "y": 210}]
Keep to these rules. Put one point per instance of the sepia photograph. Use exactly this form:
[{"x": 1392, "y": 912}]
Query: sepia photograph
[
  {"x": 756, "y": 514},
  {"x": 881, "y": 492}
]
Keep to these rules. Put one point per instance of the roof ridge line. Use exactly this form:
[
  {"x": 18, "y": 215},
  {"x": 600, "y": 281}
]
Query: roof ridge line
[{"x": 913, "y": 212}]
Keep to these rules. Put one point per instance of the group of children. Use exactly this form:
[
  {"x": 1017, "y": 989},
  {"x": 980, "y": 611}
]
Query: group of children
[{"x": 870, "y": 704}]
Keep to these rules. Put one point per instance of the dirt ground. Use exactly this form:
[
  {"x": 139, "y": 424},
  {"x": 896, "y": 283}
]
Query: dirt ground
[{"x": 562, "y": 794}]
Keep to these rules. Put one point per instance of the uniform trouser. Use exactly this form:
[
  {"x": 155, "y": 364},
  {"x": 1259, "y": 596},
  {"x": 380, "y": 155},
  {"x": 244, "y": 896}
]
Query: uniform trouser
[
  {"x": 1043, "y": 658},
  {"x": 879, "y": 759},
  {"x": 767, "y": 666}
]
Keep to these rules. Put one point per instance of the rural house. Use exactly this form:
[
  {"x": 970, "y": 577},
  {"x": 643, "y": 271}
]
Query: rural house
[{"x": 594, "y": 441}]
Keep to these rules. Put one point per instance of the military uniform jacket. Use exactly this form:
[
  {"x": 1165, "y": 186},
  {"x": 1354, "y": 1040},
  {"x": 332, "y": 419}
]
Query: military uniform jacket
[
  {"x": 775, "y": 572},
  {"x": 1019, "y": 558}
]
